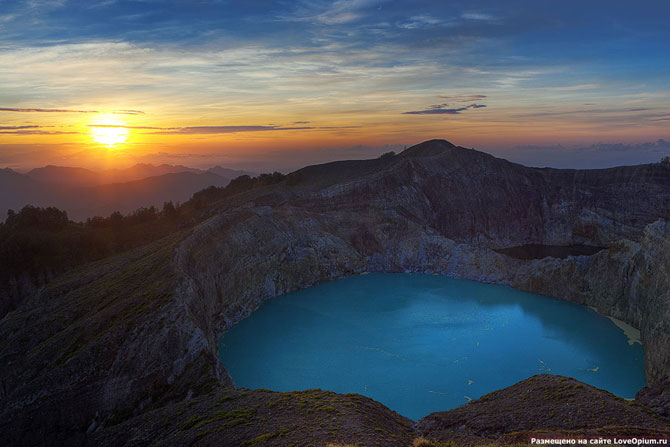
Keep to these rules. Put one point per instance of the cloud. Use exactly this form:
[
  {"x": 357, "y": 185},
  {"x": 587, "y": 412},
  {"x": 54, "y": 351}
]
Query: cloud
[
  {"x": 441, "y": 109},
  {"x": 38, "y": 132},
  {"x": 18, "y": 127},
  {"x": 335, "y": 127},
  {"x": 193, "y": 130},
  {"x": 570, "y": 88},
  {"x": 131, "y": 127},
  {"x": 206, "y": 130},
  {"x": 40, "y": 110},
  {"x": 7, "y": 17},
  {"x": 462, "y": 98},
  {"x": 128, "y": 112},
  {"x": 45, "y": 4},
  {"x": 339, "y": 12},
  {"x": 478, "y": 16},
  {"x": 436, "y": 111},
  {"x": 420, "y": 21},
  {"x": 21, "y": 110},
  {"x": 595, "y": 112}
]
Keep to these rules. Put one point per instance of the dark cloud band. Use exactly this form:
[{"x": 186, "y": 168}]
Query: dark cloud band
[
  {"x": 18, "y": 127},
  {"x": 441, "y": 109},
  {"x": 204, "y": 130},
  {"x": 224, "y": 129},
  {"x": 462, "y": 98},
  {"x": 128, "y": 112},
  {"x": 38, "y": 132},
  {"x": 121, "y": 126},
  {"x": 20, "y": 110}
]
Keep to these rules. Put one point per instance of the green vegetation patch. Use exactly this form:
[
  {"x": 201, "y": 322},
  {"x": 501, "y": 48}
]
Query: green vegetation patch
[
  {"x": 232, "y": 418},
  {"x": 262, "y": 439},
  {"x": 191, "y": 422}
]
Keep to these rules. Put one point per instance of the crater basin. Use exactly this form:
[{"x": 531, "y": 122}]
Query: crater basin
[{"x": 423, "y": 343}]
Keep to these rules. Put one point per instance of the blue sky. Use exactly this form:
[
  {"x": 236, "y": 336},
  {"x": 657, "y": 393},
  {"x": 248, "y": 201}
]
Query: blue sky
[{"x": 354, "y": 73}]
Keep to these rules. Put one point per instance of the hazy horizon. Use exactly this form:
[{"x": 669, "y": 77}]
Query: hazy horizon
[{"x": 595, "y": 156}]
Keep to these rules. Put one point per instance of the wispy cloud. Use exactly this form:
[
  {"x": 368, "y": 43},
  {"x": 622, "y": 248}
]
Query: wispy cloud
[
  {"x": 131, "y": 127},
  {"x": 18, "y": 127},
  {"x": 593, "y": 112},
  {"x": 479, "y": 16},
  {"x": 225, "y": 129},
  {"x": 40, "y": 110},
  {"x": 338, "y": 12},
  {"x": 421, "y": 21},
  {"x": 7, "y": 17},
  {"x": 571, "y": 88},
  {"x": 38, "y": 132},
  {"x": 192, "y": 130},
  {"x": 128, "y": 112},
  {"x": 30, "y": 110},
  {"x": 462, "y": 98},
  {"x": 336, "y": 127},
  {"x": 45, "y": 4},
  {"x": 444, "y": 109}
]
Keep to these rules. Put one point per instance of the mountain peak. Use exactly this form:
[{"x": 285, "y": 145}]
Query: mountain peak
[{"x": 429, "y": 148}]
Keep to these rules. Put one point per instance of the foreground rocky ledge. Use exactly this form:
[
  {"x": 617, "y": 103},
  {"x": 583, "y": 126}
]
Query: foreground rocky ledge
[
  {"x": 132, "y": 335},
  {"x": 542, "y": 406}
]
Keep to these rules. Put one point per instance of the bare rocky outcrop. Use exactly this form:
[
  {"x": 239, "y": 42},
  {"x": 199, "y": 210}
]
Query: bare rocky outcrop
[
  {"x": 656, "y": 397},
  {"x": 560, "y": 407}
]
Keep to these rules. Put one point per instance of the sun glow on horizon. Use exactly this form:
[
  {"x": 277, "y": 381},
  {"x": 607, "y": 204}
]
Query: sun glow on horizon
[{"x": 109, "y": 132}]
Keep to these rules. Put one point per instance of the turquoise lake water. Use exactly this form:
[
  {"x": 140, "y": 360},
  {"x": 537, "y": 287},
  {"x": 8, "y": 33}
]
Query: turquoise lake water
[{"x": 422, "y": 343}]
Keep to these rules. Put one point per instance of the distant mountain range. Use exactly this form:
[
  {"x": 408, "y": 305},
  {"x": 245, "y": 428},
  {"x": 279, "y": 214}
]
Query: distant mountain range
[{"x": 85, "y": 193}]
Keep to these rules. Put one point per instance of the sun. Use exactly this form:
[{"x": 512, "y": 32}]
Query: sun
[{"x": 109, "y": 132}]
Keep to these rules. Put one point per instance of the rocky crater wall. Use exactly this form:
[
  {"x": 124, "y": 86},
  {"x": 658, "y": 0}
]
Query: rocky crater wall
[{"x": 438, "y": 208}]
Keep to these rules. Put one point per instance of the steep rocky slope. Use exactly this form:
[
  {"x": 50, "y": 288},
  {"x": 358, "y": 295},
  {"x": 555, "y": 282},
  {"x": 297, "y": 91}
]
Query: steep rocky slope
[{"x": 129, "y": 335}]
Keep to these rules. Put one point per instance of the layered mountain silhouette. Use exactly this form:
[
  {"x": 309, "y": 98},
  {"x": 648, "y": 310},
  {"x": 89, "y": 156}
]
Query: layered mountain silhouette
[{"x": 85, "y": 193}]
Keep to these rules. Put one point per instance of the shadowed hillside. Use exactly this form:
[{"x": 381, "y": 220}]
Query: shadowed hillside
[{"x": 37, "y": 245}]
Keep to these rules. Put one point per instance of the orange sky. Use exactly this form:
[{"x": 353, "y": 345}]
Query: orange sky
[{"x": 79, "y": 138}]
